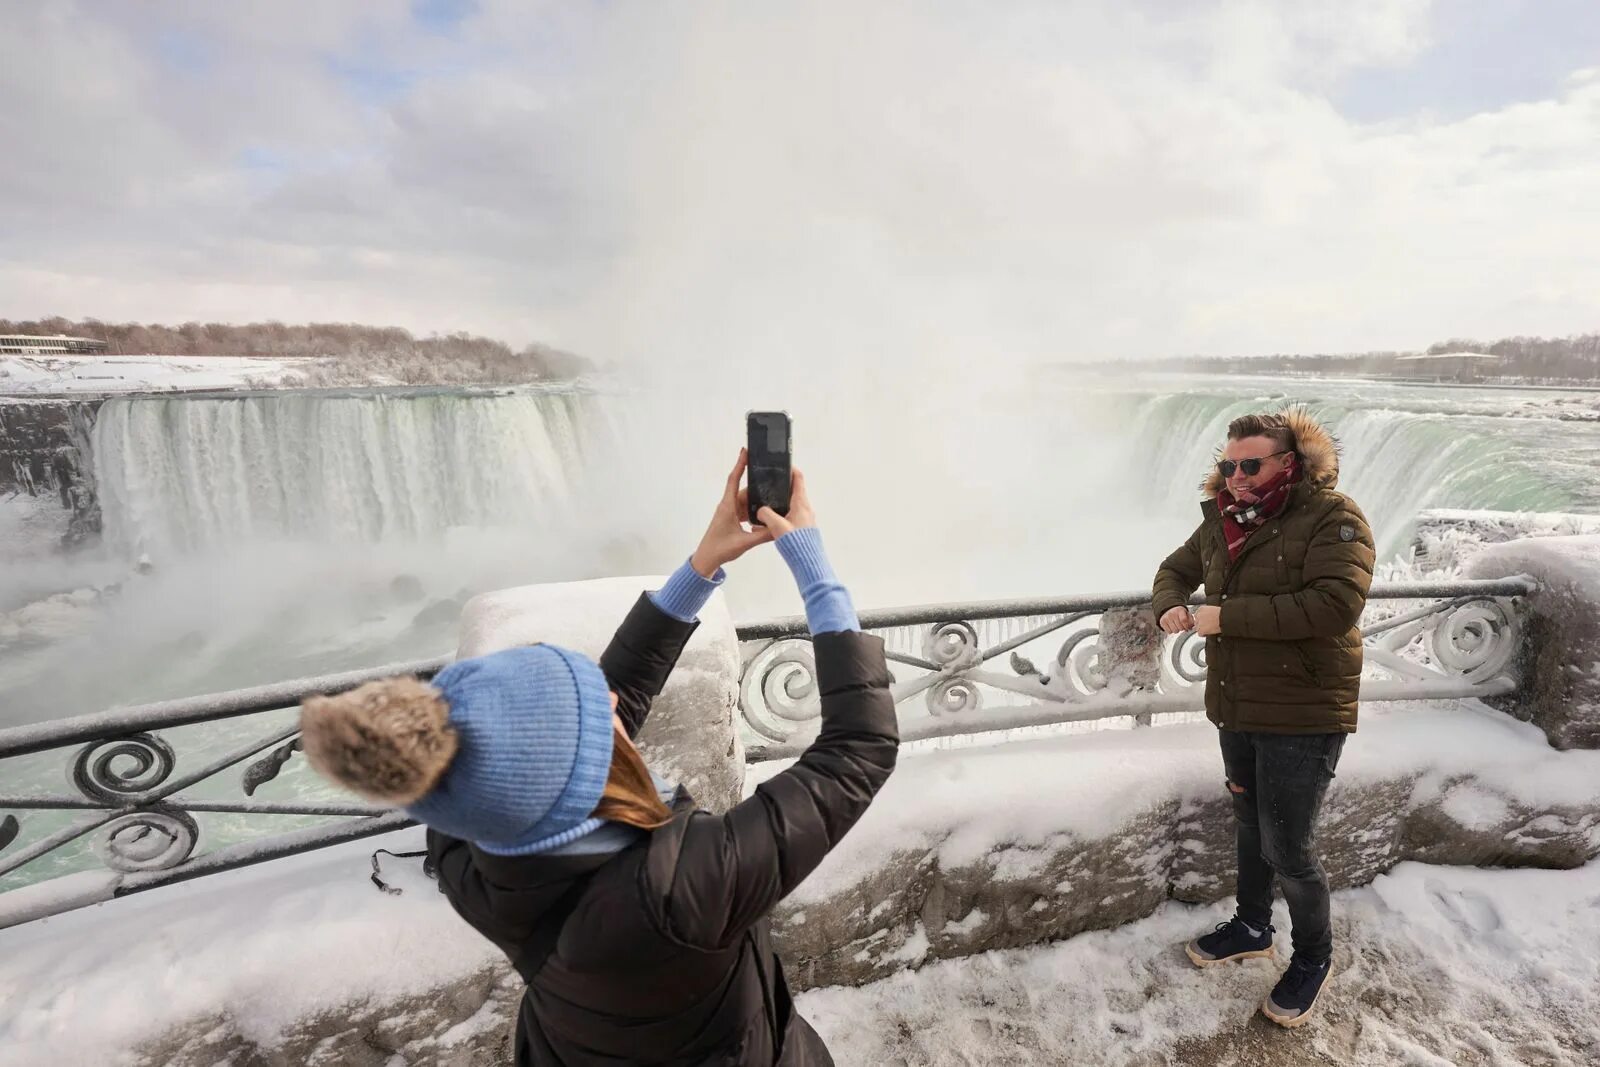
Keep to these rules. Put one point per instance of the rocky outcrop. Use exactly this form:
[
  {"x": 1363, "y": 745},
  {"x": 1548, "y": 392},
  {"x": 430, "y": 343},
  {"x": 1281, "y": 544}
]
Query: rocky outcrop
[{"x": 468, "y": 1023}]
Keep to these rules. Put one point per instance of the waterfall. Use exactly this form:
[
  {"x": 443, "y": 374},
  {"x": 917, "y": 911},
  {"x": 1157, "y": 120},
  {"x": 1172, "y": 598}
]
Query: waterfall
[
  {"x": 186, "y": 473},
  {"x": 1394, "y": 461},
  {"x": 182, "y": 474}
]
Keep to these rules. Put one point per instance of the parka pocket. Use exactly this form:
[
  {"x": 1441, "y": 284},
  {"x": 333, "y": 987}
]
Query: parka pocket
[{"x": 1307, "y": 665}]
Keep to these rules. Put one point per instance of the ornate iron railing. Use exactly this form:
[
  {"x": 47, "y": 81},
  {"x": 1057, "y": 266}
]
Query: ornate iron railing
[
  {"x": 1423, "y": 641},
  {"x": 130, "y": 799},
  {"x": 142, "y": 811}
]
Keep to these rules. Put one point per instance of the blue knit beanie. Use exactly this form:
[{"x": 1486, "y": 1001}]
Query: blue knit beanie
[{"x": 534, "y": 726}]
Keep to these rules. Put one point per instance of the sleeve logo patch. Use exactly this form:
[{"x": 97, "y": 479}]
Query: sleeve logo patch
[{"x": 1347, "y": 532}]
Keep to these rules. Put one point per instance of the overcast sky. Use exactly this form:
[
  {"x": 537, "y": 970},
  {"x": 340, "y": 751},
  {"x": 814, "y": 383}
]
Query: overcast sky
[{"x": 638, "y": 179}]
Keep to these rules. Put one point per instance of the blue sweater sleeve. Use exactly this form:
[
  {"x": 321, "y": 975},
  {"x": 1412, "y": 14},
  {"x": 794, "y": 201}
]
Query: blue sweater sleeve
[
  {"x": 828, "y": 606},
  {"x": 686, "y": 592}
]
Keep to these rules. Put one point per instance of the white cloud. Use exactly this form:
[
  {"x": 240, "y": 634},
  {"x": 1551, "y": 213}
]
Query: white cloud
[{"x": 708, "y": 181}]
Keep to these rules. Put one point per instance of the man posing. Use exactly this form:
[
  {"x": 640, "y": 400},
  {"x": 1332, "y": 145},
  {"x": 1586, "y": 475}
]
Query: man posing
[{"x": 1286, "y": 563}]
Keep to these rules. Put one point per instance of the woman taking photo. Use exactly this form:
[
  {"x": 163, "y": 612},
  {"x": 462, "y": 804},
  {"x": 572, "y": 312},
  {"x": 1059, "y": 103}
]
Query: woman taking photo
[{"x": 639, "y": 923}]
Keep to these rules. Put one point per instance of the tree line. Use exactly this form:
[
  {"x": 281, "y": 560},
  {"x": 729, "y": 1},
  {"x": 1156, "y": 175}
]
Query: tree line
[
  {"x": 353, "y": 353},
  {"x": 1556, "y": 359},
  {"x": 350, "y": 352}
]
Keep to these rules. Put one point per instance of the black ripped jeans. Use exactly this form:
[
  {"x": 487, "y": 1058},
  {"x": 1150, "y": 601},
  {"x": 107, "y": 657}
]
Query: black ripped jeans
[{"x": 1278, "y": 782}]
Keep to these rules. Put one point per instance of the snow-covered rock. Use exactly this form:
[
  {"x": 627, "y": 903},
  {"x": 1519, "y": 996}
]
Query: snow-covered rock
[
  {"x": 1129, "y": 650},
  {"x": 691, "y": 736},
  {"x": 1560, "y": 672}
]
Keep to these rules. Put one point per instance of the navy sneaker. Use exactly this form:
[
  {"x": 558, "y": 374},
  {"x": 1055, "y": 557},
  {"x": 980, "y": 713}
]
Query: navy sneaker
[
  {"x": 1232, "y": 940},
  {"x": 1291, "y": 1001}
]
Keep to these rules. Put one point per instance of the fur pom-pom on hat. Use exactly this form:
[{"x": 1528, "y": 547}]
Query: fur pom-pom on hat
[
  {"x": 388, "y": 741},
  {"x": 509, "y": 750}
]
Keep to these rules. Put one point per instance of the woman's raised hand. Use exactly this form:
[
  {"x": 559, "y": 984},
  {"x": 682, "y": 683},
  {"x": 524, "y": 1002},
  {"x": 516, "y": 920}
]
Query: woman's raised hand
[{"x": 726, "y": 538}]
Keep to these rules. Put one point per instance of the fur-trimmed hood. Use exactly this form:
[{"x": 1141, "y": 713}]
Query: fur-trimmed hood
[{"x": 1318, "y": 452}]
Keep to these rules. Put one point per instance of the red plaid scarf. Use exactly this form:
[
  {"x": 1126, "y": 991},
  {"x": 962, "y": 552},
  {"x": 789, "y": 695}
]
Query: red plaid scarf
[{"x": 1241, "y": 518}]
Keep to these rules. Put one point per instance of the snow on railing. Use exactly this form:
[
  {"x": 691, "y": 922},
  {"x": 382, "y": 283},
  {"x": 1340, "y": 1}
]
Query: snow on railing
[{"x": 143, "y": 818}]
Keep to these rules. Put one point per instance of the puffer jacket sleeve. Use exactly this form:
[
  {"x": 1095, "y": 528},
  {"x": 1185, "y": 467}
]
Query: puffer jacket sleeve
[
  {"x": 1179, "y": 575},
  {"x": 730, "y": 870},
  {"x": 639, "y": 658},
  {"x": 1334, "y": 584}
]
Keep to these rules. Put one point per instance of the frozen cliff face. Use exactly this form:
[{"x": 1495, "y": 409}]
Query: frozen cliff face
[{"x": 47, "y": 490}]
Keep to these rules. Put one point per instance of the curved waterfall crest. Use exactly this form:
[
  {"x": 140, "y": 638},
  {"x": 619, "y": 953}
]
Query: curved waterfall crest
[{"x": 181, "y": 474}]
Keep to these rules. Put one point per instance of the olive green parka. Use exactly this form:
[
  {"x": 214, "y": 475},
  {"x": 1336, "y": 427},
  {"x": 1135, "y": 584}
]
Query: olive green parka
[{"x": 1288, "y": 660}]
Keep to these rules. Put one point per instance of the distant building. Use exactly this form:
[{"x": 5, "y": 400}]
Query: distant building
[
  {"x": 31, "y": 345},
  {"x": 1447, "y": 366}
]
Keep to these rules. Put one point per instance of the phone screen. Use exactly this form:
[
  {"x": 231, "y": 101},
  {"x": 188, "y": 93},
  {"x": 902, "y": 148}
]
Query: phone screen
[{"x": 768, "y": 443}]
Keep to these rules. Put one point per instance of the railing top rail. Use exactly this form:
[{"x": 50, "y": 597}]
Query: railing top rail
[
  {"x": 973, "y": 611},
  {"x": 40, "y": 737}
]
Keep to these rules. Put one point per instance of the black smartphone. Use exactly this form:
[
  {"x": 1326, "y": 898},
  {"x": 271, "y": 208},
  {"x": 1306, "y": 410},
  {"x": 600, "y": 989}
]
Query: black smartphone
[{"x": 768, "y": 443}]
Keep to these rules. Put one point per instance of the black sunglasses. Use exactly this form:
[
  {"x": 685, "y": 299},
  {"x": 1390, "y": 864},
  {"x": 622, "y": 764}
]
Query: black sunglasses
[{"x": 1251, "y": 467}]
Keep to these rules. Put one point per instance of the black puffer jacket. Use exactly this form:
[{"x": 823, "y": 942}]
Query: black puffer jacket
[{"x": 662, "y": 953}]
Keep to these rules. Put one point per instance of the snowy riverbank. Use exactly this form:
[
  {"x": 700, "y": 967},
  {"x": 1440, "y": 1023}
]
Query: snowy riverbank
[{"x": 57, "y": 375}]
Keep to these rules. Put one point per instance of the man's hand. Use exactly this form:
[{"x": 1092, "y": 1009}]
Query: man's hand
[
  {"x": 726, "y": 539},
  {"x": 800, "y": 513},
  {"x": 1208, "y": 621},
  {"x": 1177, "y": 620}
]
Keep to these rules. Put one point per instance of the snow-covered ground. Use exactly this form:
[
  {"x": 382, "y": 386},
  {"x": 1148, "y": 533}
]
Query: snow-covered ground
[
  {"x": 1434, "y": 967},
  {"x": 25, "y": 375},
  {"x": 265, "y": 946}
]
